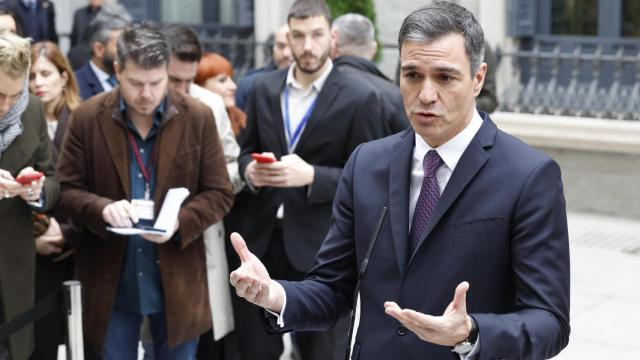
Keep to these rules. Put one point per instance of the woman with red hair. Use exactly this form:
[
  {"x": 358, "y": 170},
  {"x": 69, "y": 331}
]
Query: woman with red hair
[{"x": 214, "y": 73}]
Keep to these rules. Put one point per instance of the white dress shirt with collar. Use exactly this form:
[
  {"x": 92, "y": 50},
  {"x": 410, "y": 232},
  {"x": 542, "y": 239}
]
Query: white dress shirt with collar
[
  {"x": 450, "y": 153},
  {"x": 103, "y": 77},
  {"x": 300, "y": 99}
]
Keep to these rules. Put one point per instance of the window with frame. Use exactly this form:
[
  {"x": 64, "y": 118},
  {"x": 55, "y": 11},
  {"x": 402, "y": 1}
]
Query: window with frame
[
  {"x": 574, "y": 17},
  {"x": 630, "y": 18}
]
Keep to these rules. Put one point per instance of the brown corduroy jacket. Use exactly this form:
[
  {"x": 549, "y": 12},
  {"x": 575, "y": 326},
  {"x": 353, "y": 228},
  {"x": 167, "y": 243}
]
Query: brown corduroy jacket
[{"x": 93, "y": 170}]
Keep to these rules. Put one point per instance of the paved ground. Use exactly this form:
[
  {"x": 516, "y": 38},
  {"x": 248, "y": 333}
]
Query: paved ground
[{"x": 605, "y": 291}]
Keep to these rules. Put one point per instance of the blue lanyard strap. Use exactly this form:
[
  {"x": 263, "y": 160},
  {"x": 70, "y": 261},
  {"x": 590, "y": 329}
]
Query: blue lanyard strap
[{"x": 293, "y": 138}]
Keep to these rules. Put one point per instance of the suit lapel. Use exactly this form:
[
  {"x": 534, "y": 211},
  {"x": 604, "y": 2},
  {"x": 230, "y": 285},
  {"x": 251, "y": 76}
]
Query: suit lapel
[
  {"x": 94, "y": 82},
  {"x": 113, "y": 130},
  {"x": 472, "y": 160},
  {"x": 276, "y": 109},
  {"x": 325, "y": 99},
  {"x": 399, "y": 183},
  {"x": 168, "y": 141}
]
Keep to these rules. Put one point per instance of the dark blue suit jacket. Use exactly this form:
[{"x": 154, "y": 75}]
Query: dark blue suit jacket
[
  {"x": 88, "y": 82},
  {"x": 500, "y": 225}
]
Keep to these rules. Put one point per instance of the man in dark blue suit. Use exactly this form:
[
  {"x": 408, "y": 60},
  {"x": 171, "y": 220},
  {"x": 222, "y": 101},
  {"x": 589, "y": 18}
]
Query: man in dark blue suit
[
  {"x": 38, "y": 18},
  {"x": 98, "y": 74},
  {"x": 473, "y": 256}
]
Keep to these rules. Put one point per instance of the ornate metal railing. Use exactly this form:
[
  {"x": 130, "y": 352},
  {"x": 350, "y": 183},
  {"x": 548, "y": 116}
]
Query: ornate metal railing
[{"x": 596, "y": 79}]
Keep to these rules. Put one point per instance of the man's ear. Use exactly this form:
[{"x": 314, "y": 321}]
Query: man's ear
[
  {"x": 118, "y": 69},
  {"x": 478, "y": 79},
  {"x": 374, "y": 50},
  {"x": 98, "y": 49},
  {"x": 335, "y": 52}
]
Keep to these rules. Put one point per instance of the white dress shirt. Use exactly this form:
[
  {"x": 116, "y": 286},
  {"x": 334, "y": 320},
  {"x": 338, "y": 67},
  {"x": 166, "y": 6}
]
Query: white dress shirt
[
  {"x": 450, "y": 153},
  {"x": 300, "y": 99},
  {"x": 103, "y": 77}
]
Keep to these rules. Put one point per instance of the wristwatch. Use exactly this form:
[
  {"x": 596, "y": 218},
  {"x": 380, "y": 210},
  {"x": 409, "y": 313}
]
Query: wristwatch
[{"x": 464, "y": 347}]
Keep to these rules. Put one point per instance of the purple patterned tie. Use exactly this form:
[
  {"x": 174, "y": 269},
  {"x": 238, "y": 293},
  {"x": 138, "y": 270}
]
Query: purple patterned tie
[{"x": 427, "y": 200}]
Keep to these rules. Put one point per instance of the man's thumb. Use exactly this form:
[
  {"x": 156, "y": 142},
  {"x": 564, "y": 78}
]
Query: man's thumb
[
  {"x": 460, "y": 297},
  {"x": 240, "y": 246}
]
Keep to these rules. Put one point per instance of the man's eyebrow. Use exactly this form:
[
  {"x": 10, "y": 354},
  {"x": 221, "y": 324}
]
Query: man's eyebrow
[
  {"x": 447, "y": 69},
  {"x": 408, "y": 67}
]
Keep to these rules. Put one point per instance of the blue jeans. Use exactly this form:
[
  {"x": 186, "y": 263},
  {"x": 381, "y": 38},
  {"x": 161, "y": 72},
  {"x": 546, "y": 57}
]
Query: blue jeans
[{"x": 123, "y": 335}]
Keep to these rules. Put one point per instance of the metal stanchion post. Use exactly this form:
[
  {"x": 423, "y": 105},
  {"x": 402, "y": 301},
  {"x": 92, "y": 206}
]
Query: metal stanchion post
[{"x": 73, "y": 301}]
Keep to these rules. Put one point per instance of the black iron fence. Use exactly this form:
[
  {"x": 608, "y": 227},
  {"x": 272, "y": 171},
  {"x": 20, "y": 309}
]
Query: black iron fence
[
  {"x": 590, "y": 77},
  {"x": 593, "y": 78}
]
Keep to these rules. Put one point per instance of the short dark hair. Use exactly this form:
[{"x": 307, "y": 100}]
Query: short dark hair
[
  {"x": 303, "y": 9},
  {"x": 443, "y": 18},
  {"x": 144, "y": 44},
  {"x": 183, "y": 42}
]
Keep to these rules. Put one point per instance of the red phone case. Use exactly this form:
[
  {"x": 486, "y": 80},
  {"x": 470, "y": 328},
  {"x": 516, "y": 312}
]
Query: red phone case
[
  {"x": 265, "y": 159},
  {"x": 29, "y": 178}
]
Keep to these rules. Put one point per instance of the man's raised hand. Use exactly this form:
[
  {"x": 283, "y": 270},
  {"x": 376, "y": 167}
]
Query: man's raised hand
[
  {"x": 449, "y": 329},
  {"x": 252, "y": 281}
]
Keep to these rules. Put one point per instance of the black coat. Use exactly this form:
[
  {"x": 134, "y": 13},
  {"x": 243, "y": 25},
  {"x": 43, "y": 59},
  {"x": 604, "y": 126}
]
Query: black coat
[
  {"x": 81, "y": 20},
  {"x": 369, "y": 74}
]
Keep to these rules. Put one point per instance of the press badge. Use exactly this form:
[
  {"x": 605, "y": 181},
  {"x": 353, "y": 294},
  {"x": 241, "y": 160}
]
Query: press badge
[{"x": 144, "y": 208}]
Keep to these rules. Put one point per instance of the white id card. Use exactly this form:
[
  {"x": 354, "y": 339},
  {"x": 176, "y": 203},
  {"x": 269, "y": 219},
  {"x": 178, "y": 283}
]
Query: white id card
[{"x": 144, "y": 208}]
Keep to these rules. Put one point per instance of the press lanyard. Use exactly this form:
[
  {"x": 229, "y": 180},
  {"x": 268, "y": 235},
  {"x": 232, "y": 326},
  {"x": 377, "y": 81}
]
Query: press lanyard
[
  {"x": 146, "y": 171},
  {"x": 287, "y": 122}
]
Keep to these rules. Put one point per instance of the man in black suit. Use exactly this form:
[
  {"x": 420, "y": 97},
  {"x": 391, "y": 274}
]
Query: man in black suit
[
  {"x": 81, "y": 20},
  {"x": 98, "y": 74},
  {"x": 309, "y": 118},
  {"x": 353, "y": 50}
]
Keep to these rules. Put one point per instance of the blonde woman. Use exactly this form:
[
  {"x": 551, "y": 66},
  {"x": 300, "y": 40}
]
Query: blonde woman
[{"x": 24, "y": 149}]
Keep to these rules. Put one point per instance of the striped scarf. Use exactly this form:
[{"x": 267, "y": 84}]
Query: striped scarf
[{"x": 10, "y": 124}]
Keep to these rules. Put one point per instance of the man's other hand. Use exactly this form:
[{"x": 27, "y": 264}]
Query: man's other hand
[
  {"x": 449, "y": 329},
  {"x": 252, "y": 281}
]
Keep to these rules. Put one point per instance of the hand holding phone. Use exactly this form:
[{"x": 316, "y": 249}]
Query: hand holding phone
[
  {"x": 27, "y": 179},
  {"x": 263, "y": 159}
]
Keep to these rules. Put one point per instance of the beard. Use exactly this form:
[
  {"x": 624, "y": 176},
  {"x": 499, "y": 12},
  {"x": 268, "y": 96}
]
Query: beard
[
  {"x": 310, "y": 70},
  {"x": 107, "y": 62}
]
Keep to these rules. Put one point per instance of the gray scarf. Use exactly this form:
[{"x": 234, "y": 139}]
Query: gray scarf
[{"x": 10, "y": 124}]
